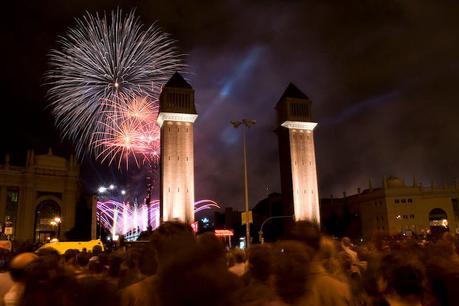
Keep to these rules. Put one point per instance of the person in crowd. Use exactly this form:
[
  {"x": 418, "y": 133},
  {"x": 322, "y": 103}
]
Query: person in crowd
[
  {"x": 239, "y": 267},
  {"x": 443, "y": 270},
  {"x": 347, "y": 247},
  {"x": 172, "y": 266},
  {"x": 331, "y": 260},
  {"x": 292, "y": 281},
  {"x": 258, "y": 280},
  {"x": 81, "y": 260},
  {"x": 402, "y": 281},
  {"x": 325, "y": 289},
  {"x": 19, "y": 268},
  {"x": 140, "y": 293},
  {"x": 195, "y": 272},
  {"x": 129, "y": 272},
  {"x": 115, "y": 259},
  {"x": 5, "y": 278}
]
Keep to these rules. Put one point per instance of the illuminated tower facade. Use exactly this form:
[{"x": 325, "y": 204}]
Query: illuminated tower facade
[
  {"x": 177, "y": 113},
  {"x": 297, "y": 156}
]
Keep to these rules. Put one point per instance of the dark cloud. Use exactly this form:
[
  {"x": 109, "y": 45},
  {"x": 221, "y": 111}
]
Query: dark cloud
[{"x": 382, "y": 76}]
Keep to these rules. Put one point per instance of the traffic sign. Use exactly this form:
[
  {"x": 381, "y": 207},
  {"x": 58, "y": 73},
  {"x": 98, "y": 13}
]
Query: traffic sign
[
  {"x": 8, "y": 230},
  {"x": 244, "y": 217}
]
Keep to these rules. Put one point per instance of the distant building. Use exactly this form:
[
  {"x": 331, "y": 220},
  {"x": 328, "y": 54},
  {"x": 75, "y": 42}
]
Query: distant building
[
  {"x": 230, "y": 219},
  {"x": 37, "y": 202},
  {"x": 393, "y": 209},
  {"x": 268, "y": 213}
]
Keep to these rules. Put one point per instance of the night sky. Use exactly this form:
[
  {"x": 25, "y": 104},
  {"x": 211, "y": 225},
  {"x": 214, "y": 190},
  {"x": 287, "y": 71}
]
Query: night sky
[{"x": 383, "y": 76}]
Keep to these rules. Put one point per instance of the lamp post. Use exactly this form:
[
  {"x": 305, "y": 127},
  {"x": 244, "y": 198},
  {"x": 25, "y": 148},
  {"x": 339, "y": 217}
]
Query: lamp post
[{"x": 247, "y": 123}]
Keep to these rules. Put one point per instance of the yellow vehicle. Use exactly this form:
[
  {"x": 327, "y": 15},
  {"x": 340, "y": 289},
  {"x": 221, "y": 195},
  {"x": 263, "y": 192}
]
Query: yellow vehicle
[{"x": 61, "y": 247}]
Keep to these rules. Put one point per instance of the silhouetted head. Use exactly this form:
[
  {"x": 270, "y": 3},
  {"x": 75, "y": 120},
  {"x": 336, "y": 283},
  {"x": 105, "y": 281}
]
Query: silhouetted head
[
  {"x": 346, "y": 242},
  {"x": 96, "y": 250},
  {"x": 82, "y": 259},
  {"x": 402, "y": 275},
  {"x": 260, "y": 259},
  {"x": 171, "y": 237},
  {"x": 307, "y": 233},
  {"x": 20, "y": 264},
  {"x": 195, "y": 273},
  {"x": 239, "y": 255},
  {"x": 292, "y": 261}
]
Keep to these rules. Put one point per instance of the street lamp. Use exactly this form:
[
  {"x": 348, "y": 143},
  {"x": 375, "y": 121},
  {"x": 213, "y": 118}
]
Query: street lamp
[
  {"x": 102, "y": 189},
  {"x": 57, "y": 223},
  {"x": 247, "y": 123}
]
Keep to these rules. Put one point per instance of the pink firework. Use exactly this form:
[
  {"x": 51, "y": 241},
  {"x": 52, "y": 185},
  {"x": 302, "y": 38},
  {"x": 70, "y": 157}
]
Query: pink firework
[{"x": 130, "y": 131}]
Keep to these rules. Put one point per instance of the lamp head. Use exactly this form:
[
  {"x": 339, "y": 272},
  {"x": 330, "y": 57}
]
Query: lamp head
[
  {"x": 236, "y": 123},
  {"x": 249, "y": 122}
]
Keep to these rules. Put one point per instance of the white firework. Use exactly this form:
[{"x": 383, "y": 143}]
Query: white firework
[{"x": 105, "y": 58}]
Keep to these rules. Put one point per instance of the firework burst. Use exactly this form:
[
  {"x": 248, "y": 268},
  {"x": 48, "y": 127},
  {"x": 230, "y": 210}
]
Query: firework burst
[
  {"x": 130, "y": 131},
  {"x": 107, "y": 59}
]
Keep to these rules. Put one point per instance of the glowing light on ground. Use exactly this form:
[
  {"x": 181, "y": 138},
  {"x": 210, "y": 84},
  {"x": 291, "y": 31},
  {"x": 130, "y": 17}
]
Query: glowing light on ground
[{"x": 122, "y": 218}]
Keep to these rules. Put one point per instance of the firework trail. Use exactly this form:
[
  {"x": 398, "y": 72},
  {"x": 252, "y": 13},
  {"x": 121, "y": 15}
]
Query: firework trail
[{"x": 106, "y": 58}]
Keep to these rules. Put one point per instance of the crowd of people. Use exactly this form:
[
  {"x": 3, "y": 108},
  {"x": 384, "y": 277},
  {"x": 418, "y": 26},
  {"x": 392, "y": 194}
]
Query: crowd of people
[{"x": 175, "y": 267}]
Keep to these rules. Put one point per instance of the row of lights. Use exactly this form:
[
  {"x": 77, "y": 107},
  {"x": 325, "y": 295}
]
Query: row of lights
[{"x": 103, "y": 189}]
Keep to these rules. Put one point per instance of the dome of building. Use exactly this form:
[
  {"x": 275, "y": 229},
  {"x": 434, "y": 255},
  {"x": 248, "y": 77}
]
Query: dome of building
[{"x": 394, "y": 182}]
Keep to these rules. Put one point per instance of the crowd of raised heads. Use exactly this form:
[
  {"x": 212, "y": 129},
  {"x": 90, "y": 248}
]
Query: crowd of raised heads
[{"x": 175, "y": 267}]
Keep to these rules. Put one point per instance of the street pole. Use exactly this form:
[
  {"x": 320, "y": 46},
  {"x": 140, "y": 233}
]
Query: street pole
[
  {"x": 247, "y": 123},
  {"x": 94, "y": 217},
  {"x": 246, "y": 189}
]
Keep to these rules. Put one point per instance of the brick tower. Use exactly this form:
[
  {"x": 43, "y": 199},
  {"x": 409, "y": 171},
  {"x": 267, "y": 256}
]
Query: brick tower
[
  {"x": 177, "y": 114},
  {"x": 297, "y": 156}
]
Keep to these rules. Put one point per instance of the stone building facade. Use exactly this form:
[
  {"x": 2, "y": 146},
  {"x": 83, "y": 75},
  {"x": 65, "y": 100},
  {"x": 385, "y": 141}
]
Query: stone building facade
[
  {"x": 38, "y": 200},
  {"x": 397, "y": 208}
]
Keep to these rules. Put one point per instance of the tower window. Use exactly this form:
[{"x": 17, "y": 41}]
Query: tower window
[{"x": 299, "y": 109}]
